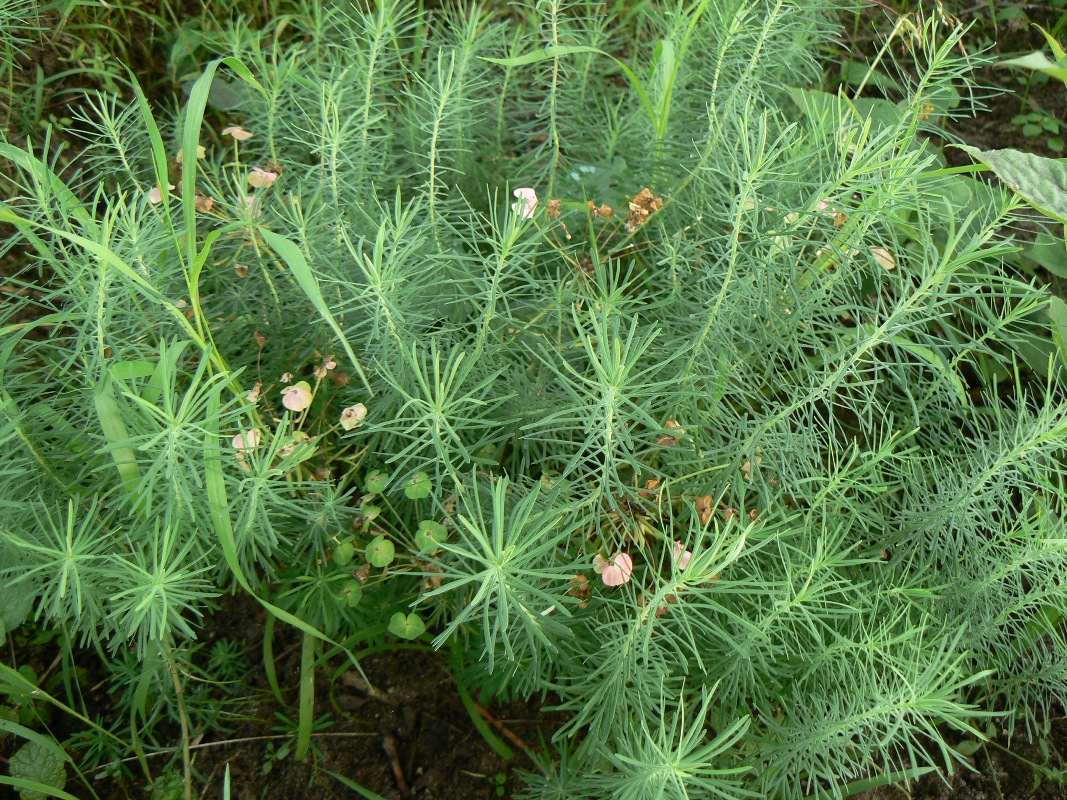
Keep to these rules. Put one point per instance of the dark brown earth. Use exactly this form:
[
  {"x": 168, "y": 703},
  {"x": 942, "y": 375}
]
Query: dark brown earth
[
  {"x": 407, "y": 737},
  {"x": 404, "y": 735}
]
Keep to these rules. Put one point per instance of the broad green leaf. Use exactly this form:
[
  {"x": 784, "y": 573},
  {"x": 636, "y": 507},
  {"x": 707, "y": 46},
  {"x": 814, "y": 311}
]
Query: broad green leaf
[
  {"x": 351, "y": 592},
  {"x": 817, "y": 104},
  {"x": 343, "y": 553},
  {"x": 1049, "y": 251},
  {"x": 429, "y": 535},
  {"x": 42, "y": 741},
  {"x": 968, "y": 747},
  {"x": 375, "y": 482},
  {"x": 1057, "y": 50},
  {"x": 1038, "y": 62},
  {"x": 1042, "y": 182},
  {"x": 1057, "y": 314},
  {"x": 855, "y": 73},
  {"x": 16, "y": 601},
  {"x": 109, "y": 414},
  {"x": 418, "y": 486}
]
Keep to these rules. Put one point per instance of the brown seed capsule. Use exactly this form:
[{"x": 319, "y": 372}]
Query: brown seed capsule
[
  {"x": 703, "y": 508},
  {"x": 650, "y": 488}
]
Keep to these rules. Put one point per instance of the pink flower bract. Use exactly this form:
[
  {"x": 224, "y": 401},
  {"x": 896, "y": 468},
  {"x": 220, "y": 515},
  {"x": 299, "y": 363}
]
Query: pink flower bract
[
  {"x": 261, "y": 177},
  {"x": 681, "y": 556},
  {"x": 155, "y": 194},
  {"x": 237, "y": 132},
  {"x": 353, "y": 416},
  {"x": 297, "y": 397},
  {"x": 616, "y": 571},
  {"x": 248, "y": 440},
  {"x": 527, "y": 204}
]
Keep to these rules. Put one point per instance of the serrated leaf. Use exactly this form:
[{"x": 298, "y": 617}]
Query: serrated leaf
[
  {"x": 35, "y": 762},
  {"x": 1041, "y": 181}
]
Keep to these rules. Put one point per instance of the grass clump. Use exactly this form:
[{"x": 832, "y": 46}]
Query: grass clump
[{"x": 708, "y": 403}]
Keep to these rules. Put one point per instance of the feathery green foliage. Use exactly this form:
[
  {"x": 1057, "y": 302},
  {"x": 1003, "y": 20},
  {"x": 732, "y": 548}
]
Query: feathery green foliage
[{"x": 754, "y": 354}]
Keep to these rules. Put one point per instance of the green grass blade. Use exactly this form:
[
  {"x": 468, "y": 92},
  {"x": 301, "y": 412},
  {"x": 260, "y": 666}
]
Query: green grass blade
[
  {"x": 194, "y": 119},
  {"x": 34, "y": 786},
  {"x": 856, "y": 787},
  {"x": 110, "y": 416},
  {"x": 491, "y": 738},
  {"x": 268, "y": 659},
  {"x": 69, "y": 202},
  {"x": 33, "y": 736},
  {"x": 351, "y": 784}
]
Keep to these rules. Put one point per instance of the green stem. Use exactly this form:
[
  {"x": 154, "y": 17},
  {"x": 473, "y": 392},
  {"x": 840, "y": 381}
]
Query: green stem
[{"x": 179, "y": 690}]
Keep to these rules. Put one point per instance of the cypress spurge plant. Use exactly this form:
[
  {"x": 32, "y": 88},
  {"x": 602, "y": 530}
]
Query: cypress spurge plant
[{"x": 623, "y": 364}]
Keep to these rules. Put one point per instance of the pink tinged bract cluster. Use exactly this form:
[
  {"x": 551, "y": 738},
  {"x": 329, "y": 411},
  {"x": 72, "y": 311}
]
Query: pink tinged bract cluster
[
  {"x": 527, "y": 204},
  {"x": 297, "y": 397},
  {"x": 353, "y": 416},
  {"x": 681, "y": 556},
  {"x": 237, "y": 132},
  {"x": 155, "y": 195},
  {"x": 261, "y": 177},
  {"x": 614, "y": 571},
  {"x": 248, "y": 440}
]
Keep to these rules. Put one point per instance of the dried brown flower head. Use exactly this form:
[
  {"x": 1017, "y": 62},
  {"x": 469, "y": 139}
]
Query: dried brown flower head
[{"x": 642, "y": 206}]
